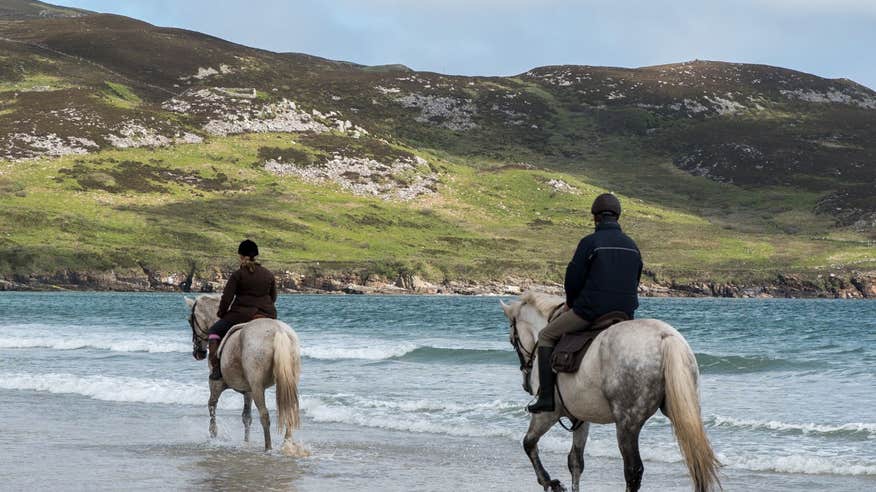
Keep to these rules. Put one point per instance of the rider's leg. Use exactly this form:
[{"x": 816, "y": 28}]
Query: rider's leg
[
  {"x": 546, "y": 380},
  {"x": 547, "y": 339},
  {"x": 214, "y": 336}
]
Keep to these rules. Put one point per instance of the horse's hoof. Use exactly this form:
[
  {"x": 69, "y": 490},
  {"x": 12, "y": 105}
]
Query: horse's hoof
[
  {"x": 294, "y": 450},
  {"x": 555, "y": 486}
]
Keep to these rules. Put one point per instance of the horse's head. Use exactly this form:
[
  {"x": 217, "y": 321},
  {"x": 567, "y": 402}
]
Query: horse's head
[
  {"x": 201, "y": 318},
  {"x": 522, "y": 335},
  {"x": 527, "y": 317}
]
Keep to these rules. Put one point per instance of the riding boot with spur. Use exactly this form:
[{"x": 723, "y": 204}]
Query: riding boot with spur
[
  {"x": 215, "y": 371},
  {"x": 546, "y": 381}
]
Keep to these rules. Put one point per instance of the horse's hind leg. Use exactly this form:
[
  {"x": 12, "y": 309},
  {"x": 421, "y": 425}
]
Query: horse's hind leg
[
  {"x": 538, "y": 425},
  {"x": 247, "y": 415},
  {"x": 258, "y": 396},
  {"x": 576, "y": 454},
  {"x": 628, "y": 442}
]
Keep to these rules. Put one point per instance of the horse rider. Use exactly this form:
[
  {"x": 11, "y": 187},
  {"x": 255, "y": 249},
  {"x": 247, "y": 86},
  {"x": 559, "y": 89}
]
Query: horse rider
[
  {"x": 602, "y": 277},
  {"x": 250, "y": 293}
]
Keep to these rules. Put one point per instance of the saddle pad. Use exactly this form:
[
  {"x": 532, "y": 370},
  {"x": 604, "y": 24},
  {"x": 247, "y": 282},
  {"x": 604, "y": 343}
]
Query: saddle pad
[
  {"x": 572, "y": 347},
  {"x": 234, "y": 329}
]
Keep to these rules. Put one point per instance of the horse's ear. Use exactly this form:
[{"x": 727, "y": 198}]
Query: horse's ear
[
  {"x": 506, "y": 308},
  {"x": 189, "y": 301}
]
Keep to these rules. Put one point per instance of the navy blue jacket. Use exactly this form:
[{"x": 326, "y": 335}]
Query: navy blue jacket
[{"x": 604, "y": 274}]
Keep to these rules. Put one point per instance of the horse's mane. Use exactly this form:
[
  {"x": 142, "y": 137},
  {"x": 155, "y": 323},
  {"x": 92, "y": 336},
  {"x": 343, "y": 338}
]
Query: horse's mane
[{"x": 545, "y": 303}]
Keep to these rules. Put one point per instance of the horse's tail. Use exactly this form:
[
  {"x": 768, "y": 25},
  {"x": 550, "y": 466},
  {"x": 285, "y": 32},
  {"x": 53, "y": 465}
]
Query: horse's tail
[
  {"x": 683, "y": 407},
  {"x": 287, "y": 368}
]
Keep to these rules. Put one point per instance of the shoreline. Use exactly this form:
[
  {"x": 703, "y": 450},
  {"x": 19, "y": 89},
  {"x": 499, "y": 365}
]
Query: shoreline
[{"x": 845, "y": 285}]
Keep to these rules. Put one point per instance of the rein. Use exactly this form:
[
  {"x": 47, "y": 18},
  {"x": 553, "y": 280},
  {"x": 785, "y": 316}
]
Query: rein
[
  {"x": 524, "y": 356},
  {"x": 197, "y": 333}
]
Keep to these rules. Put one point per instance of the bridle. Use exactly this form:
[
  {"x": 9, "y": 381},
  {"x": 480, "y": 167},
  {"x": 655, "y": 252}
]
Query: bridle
[
  {"x": 525, "y": 357},
  {"x": 196, "y": 337}
]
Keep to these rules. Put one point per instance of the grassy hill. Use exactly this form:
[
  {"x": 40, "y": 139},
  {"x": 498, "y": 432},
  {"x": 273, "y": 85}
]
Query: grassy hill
[{"x": 126, "y": 147}]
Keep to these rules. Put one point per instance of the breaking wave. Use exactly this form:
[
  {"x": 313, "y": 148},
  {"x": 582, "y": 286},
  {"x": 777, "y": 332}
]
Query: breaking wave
[
  {"x": 711, "y": 364},
  {"x": 852, "y": 429},
  {"x": 136, "y": 343}
]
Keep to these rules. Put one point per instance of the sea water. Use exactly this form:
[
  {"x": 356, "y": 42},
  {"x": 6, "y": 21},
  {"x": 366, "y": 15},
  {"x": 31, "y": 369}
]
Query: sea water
[{"x": 99, "y": 391}]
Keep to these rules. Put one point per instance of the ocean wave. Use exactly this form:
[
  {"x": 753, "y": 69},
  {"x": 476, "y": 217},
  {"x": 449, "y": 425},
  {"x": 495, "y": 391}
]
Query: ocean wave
[
  {"x": 114, "y": 388},
  {"x": 471, "y": 356},
  {"x": 134, "y": 343},
  {"x": 709, "y": 363},
  {"x": 416, "y": 351},
  {"x": 806, "y": 465},
  {"x": 852, "y": 429},
  {"x": 422, "y": 405}
]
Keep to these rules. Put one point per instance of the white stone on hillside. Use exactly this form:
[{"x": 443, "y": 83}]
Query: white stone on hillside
[
  {"x": 694, "y": 106},
  {"x": 388, "y": 90},
  {"x": 450, "y": 112},
  {"x": 403, "y": 179},
  {"x": 832, "y": 95},
  {"x": 561, "y": 186},
  {"x": 24, "y": 146},
  {"x": 238, "y": 110},
  {"x": 208, "y": 72},
  {"x": 279, "y": 117},
  {"x": 725, "y": 106},
  {"x": 133, "y": 134}
]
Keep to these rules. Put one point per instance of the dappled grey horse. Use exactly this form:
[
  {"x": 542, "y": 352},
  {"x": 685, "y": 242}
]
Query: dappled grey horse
[
  {"x": 255, "y": 356},
  {"x": 632, "y": 369}
]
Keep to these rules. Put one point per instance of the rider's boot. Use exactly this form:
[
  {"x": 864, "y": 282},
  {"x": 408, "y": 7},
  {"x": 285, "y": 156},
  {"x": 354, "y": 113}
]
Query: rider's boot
[
  {"x": 546, "y": 381},
  {"x": 215, "y": 372}
]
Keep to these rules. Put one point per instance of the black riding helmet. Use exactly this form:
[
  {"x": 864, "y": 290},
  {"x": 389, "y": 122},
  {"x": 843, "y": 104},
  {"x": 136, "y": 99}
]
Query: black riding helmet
[
  {"x": 248, "y": 248},
  {"x": 606, "y": 203}
]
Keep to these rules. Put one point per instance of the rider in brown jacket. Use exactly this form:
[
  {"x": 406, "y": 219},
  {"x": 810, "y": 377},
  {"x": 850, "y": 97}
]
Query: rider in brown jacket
[{"x": 250, "y": 293}]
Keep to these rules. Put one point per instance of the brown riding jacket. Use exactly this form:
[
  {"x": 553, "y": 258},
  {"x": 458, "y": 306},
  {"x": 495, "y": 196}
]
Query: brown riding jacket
[{"x": 248, "y": 295}]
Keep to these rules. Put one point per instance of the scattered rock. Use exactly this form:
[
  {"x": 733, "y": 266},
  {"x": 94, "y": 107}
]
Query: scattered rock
[
  {"x": 449, "y": 112},
  {"x": 402, "y": 179}
]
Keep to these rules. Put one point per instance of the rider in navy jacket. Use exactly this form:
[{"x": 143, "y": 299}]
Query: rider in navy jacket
[
  {"x": 604, "y": 273},
  {"x": 602, "y": 277}
]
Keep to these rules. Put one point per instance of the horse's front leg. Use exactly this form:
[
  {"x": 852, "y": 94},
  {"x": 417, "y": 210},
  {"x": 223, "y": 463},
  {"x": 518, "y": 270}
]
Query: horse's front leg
[
  {"x": 247, "y": 415},
  {"x": 576, "y": 454},
  {"x": 258, "y": 396},
  {"x": 216, "y": 389},
  {"x": 539, "y": 424}
]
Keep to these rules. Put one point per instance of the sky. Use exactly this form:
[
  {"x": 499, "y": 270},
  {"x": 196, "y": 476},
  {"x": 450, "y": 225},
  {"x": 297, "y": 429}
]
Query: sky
[{"x": 829, "y": 38}]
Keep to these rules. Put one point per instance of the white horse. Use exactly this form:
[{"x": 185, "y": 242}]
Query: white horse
[
  {"x": 254, "y": 356},
  {"x": 631, "y": 369}
]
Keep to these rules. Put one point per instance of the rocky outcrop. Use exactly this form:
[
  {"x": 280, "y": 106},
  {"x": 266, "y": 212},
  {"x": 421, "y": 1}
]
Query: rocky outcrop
[
  {"x": 401, "y": 179},
  {"x": 853, "y": 285}
]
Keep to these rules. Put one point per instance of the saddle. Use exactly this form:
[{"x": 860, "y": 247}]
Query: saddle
[{"x": 572, "y": 347}]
